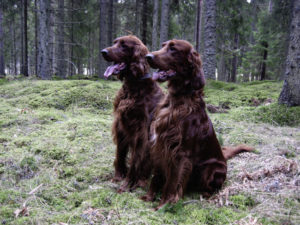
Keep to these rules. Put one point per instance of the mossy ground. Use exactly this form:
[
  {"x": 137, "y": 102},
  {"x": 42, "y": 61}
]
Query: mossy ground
[{"x": 56, "y": 157}]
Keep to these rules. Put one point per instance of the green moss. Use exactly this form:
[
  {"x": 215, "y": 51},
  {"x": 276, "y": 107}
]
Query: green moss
[
  {"x": 6, "y": 214},
  {"x": 3, "y": 81},
  {"x": 10, "y": 197},
  {"x": 223, "y": 215},
  {"x": 242, "y": 202},
  {"x": 61, "y": 94},
  {"x": 67, "y": 172},
  {"x": 275, "y": 114},
  {"x": 55, "y": 153},
  {"x": 233, "y": 95},
  {"x": 58, "y": 133},
  {"x": 29, "y": 162},
  {"x": 21, "y": 142}
]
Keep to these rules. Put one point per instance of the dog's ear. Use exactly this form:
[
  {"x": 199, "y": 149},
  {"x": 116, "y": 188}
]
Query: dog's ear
[
  {"x": 197, "y": 70},
  {"x": 139, "y": 65}
]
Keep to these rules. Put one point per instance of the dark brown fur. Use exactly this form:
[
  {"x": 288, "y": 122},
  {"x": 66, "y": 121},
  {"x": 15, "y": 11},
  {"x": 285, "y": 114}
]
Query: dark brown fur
[
  {"x": 185, "y": 152},
  {"x": 134, "y": 107}
]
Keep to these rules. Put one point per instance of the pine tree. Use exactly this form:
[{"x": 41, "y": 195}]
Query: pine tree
[
  {"x": 164, "y": 22},
  {"x": 2, "y": 67},
  {"x": 290, "y": 93},
  {"x": 155, "y": 25},
  {"x": 61, "y": 63},
  {"x": 209, "y": 65},
  {"x": 44, "y": 66}
]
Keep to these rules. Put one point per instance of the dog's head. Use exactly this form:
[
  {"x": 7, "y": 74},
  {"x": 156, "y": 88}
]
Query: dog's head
[
  {"x": 127, "y": 53},
  {"x": 177, "y": 60}
]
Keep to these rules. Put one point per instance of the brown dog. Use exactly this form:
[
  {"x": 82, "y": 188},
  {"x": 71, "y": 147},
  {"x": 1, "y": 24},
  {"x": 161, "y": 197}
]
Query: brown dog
[
  {"x": 185, "y": 152},
  {"x": 134, "y": 107}
]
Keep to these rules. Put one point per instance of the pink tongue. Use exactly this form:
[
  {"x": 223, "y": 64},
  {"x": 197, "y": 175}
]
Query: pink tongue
[
  {"x": 155, "y": 75},
  {"x": 114, "y": 69}
]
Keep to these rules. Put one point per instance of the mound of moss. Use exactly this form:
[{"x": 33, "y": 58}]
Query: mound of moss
[
  {"x": 230, "y": 95},
  {"x": 275, "y": 114},
  {"x": 255, "y": 101},
  {"x": 60, "y": 94}
]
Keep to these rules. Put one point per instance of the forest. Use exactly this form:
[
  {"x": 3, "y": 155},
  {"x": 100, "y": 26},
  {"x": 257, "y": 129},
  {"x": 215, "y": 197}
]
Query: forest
[
  {"x": 249, "y": 40},
  {"x": 56, "y": 108}
]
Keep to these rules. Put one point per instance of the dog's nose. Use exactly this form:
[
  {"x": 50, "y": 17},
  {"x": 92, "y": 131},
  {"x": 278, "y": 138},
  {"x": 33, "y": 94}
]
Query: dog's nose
[
  {"x": 149, "y": 57},
  {"x": 104, "y": 52}
]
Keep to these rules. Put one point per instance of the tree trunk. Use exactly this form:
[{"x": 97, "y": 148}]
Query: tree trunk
[
  {"x": 43, "y": 50},
  {"x": 164, "y": 22},
  {"x": 198, "y": 25},
  {"x": 61, "y": 63},
  {"x": 270, "y": 7},
  {"x": 102, "y": 35},
  {"x": 221, "y": 66},
  {"x": 71, "y": 51},
  {"x": 264, "y": 62},
  {"x": 13, "y": 34},
  {"x": 234, "y": 58},
  {"x": 12, "y": 50},
  {"x": 36, "y": 36},
  {"x": 52, "y": 39},
  {"x": 137, "y": 18},
  {"x": 209, "y": 65},
  {"x": 2, "y": 65},
  {"x": 290, "y": 94},
  {"x": 144, "y": 21},
  {"x": 115, "y": 20},
  {"x": 155, "y": 25},
  {"x": 25, "y": 69},
  {"x": 110, "y": 22},
  {"x": 22, "y": 38}
]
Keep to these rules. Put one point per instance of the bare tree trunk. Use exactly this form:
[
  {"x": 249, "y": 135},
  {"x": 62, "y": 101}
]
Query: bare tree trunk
[
  {"x": 137, "y": 18},
  {"x": 102, "y": 35},
  {"x": 25, "y": 70},
  {"x": 43, "y": 56},
  {"x": 209, "y": 65},
  {"x": 115, "y": 20},
  {"x": 61, "y": 63},
  {"x": 290, "y": 94},
  {"x": 144, "y": 21},
  {"x": 110, "y": 21},
  {"x": 52, "y": 39},
  {"x": 198, "y": 25},
  {"x": 12, "y": 50},
  {"x": 71, "y": 52},
  {"x": 155, "y": 25},
  {"x": 234, "y": 59},
  {"x": 36, "y": 36},
  {"x": 164, "y": 22},
  {"x": 270, "y": 7},
  {"x": 13, "y": 38},
  {"x": 221, "y": 66},
  {"x": 2, "y": 65},
  {"x": 22, "y": 38},
  {"x": 264, "y": 64}
]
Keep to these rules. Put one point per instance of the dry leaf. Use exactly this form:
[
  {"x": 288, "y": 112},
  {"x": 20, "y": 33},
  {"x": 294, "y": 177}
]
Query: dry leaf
[{"x": 23, "y": 212}]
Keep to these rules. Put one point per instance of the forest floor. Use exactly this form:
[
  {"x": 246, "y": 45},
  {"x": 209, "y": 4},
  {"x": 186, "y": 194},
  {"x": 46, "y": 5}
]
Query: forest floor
[{"x": 56, "y": 157}]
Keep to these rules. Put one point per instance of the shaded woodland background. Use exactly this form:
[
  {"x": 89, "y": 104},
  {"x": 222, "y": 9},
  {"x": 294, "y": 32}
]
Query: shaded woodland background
[{"x": 239, "y": 40}]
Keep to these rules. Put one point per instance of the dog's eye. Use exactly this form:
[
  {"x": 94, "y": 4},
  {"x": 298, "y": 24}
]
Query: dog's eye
[
  {"x": 172, "y": 48},
  {"x": 124, "y": 45}
]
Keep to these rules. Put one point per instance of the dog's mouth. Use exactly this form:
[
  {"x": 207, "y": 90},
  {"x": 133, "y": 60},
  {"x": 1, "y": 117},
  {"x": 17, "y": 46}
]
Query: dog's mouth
[
  {"x": 163, "y": 75},
  {"x": 114, "y": 69}
]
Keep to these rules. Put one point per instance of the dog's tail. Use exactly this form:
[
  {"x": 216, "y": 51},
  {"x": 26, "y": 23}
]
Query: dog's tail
[{"x": 230, "y": 152}]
